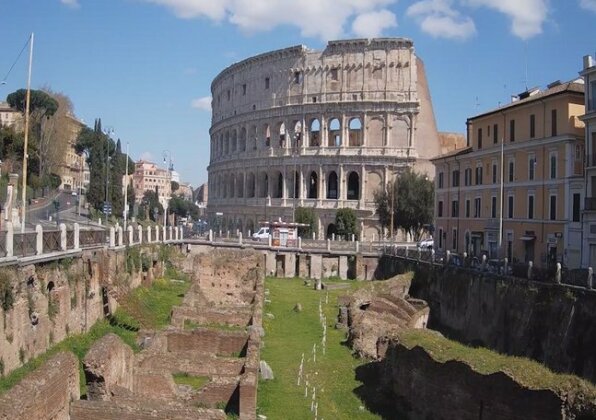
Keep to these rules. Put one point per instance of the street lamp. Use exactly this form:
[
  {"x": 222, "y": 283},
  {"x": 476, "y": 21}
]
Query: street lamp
[
  {"x": 167, "y": 154},
  {"x": 107, "y": 205}
]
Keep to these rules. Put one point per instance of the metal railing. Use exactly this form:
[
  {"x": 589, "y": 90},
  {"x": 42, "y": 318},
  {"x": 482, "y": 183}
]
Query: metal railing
[{"x": 51, "y": 241}]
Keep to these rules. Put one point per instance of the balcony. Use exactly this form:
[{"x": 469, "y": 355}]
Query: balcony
[{"x": 590, "y": 203}]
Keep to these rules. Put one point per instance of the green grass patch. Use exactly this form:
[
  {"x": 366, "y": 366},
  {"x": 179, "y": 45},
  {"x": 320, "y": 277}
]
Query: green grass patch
[
  {"x": 528, "y": 372},
  {"x": 288, "y": 336},
  {"x": 184, "y": 378}
]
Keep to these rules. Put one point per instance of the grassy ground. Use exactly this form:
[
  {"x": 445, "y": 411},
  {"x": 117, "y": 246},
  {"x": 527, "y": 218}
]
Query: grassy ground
[
  {"x": 149, "y": 306},
  {"x": 291, "y": 334},
  {"x": 184, "y": 378}
]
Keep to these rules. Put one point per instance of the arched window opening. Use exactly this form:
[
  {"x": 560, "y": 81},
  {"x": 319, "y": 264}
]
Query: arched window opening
[
  {"x": 353, "y": 186},
  {"x": 240, "y": 186},
  {"x": 267, "y": 135},
  {"x": 277, "y": 193},
  {"x": 331, "y": 229},
  {"x": 355, "y": 133},
  {"x": 243, "y": 139},
  {"x": 253, "y": 137},
  {"x": 250, "y": 185},
  {"x": 234, "y": 141},
  {"x": 315, "y": 133},
  {"x": 332, "y": 190},
  {"x": 334, "y": 133},
  {"x": 282, "y": 135},
  {"x": 227, "y": 143},
  {"x": 297, "y": 137},
  {"x": 313, "y": 185},
  {"x": 296, "y": 185},
  {"x": 263, "y": 185}
]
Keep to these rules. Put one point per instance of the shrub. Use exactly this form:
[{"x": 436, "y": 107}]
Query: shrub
[{"x": 6, "y": 293}]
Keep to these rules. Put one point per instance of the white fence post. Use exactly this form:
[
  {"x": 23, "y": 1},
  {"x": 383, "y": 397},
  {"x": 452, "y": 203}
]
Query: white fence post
[
  {"x": 77, "y": 236},
  {"x": 9, "y": 239},
  {"x": 39, "y": 240},
  {"x": 62, "y": 236}
]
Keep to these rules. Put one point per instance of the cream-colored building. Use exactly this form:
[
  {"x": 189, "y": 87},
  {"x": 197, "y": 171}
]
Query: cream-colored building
[
  {"x": 319, "y": 129},
  {"x": 9, "y": 117},
  {"x": 537, "y": 142},
  {"x": 589, "y": 118},
  {"x": 150, "y": 177},
  {"x": 73, "y": 168}
]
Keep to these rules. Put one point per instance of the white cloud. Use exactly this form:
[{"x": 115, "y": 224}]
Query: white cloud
[
  {"x": 527, "y": 16},
  {"x": 438, "y": 18},
  {"x": 324, "y": 19},
  {"x": 372, "y": 24},
  {"x": 204, "y": 103},
  {"x": 71, "y": 3},
  {"x": 588, "y": 5}
]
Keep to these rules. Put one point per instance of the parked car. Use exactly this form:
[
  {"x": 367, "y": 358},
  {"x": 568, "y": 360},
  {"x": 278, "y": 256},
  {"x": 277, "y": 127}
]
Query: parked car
[
  {"x": 426, "y": 243},
  {"x": 262, "y": 233}
]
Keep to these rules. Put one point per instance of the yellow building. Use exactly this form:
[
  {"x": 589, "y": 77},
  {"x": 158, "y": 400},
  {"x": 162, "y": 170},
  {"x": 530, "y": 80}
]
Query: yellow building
[
  {"x": 537, "y": 143},
  {"x": 73, "y": 168}
]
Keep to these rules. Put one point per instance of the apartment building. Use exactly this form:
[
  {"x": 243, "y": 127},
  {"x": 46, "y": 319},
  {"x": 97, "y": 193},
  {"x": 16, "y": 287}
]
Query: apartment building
[
  {"x": 520, "y": 178},
  {"x": 589, "y": 119},
  {"x": 150, "y": 177},
  {"x": 9, "y": 117},
  {"x": 73, "y": 168}
]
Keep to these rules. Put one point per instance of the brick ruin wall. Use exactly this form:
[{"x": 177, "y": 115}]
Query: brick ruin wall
[
  {"x": 420, "y": 387},
  {"x": 54, "y": 300},
  {"x": 45, "y": 393}
]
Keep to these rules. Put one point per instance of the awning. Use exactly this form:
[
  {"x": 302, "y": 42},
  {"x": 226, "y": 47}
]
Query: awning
[{"x": 528, "y": 238}]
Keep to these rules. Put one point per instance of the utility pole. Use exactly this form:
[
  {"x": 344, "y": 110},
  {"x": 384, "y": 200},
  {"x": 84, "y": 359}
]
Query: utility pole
[
  {"x": 126, "y": 190},
  {"x": 392, "y": 196},
  {"x": 26, "y": 141}
]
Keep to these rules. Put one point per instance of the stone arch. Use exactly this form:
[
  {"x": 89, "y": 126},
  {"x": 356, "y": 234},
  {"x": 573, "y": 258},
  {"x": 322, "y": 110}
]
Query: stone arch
[
  {"x": 332, "y": 186},
  {"x": 371, "y": 232},
  {"x": 227, "y": 143},
  {"x": 242, "y": 145},
  {"x": 280, "y": 129},
  {"x": 231, "y": 189},
  {"x": 374, "y": 183},
  {"x": 314, "y": 133},
  {"x": 297, "y": 137},
  {"x": 51, "y": 286},
  {"x": 224, "y": 186},
  {"x": 355, "y": 132},
  {"x": 334, "y": 137},
  {"x": 250, "y": 225},
  {"x": 250, "y": 185},
  {"x": 375, "y": 132},
  {"x": 313, "y": 185},
  {"x": 240, "y": 185},
  {"x": 278, "y": 182},
  {"x": 253, "y": 137},
  {"x": 399, "y": 132},
  {"x": 266, "y": 135},
  {"x": 353, "y": 192},
  {"x": 331, "y": 229},
  {"x": 234, "y": 145},
  {"x": 263, "y": 184}
]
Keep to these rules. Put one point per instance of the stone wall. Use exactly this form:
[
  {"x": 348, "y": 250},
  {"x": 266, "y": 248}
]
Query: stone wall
[
  {"x": 550, "y": 323},
  {"x": 415, "y": 384},
  {"x": 44, "y": 394},
  {"x": 107, "y": 365},
  {"x": 205, "y": 340}
]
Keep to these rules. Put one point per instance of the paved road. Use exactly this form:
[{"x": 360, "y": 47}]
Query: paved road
[{"x": 67, "y": 213}]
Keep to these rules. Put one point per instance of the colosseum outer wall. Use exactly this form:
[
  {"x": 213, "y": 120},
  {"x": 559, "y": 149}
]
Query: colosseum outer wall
[{"x": 321, "y": 129}]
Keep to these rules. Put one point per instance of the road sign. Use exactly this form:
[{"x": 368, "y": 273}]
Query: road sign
[{"x": 107, "y": 207}]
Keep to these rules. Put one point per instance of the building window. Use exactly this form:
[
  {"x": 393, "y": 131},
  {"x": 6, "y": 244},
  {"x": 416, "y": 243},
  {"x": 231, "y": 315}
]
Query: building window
[
  {"x": 455, "y": 178},
  {"x": 592, "y": 96},
  {"x": 480, "y": 138},
  {"x": 477, "y": 204},
  {"x": 510, "y": 207},
  {"x": 440, "y": 209},
  {"x": 441, "y": 238},
  {"x": 468, "y": 177},
  {"x": 512, "y": 130},
  {"x": 531, "y": 167},
  {"x": 553, "y": 165},
  {"x": 229, "y": 94},
  {"x": 455, "y": 208},
  {"x": 266, "y": 83},
  {"x": 244, "y": 89},
  {"x": 532, "y": 126},
  {"x": 576, "y": 209},
  {"x": 479, "y": 175},
  {"x": 553, "y": 207},
  {"x": 511, "y": 170},
  {"x": 467, "y": 208},
  {"x": 440, "y": 180},
  {"x": 530, "y": 207},
  {"x": 334, "y": 75},
  {"x": 495, "y": 133},
  {"x": 297, "y": 77},
  {"x": 454, "y": 238},
  {"x": 493, "y": 207},
  {"x": 494, "y": 173},
  {"x": 553, "y": 122}
]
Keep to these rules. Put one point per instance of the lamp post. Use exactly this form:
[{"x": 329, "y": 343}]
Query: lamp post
[
  {"x": 26, "y": 140},
  {"x": 167, "y": 154},
  {"x": 107, "y": 205},
  {"x": 125, "y": 215}
]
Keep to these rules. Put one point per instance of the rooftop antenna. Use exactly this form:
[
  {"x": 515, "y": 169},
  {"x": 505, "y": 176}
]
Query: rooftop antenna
[
  {"x": 477, "y": 104},
  {"x": 526, "y": 64}
]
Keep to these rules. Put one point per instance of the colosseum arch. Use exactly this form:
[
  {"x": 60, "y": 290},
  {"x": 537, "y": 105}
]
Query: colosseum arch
[
  {"x": 263, "y": 184},
  {"x": 278, "y": 182},
  {"x": 314, "y": 137},
  {"x": 250, "y": 185},
  {"x": 399, "y": 132},
  {"x": 227, "y": 143},
  {"x": 313, "y": 185},
  {"x": 280, "y": 128},
  {"x": 332, "y": 186},
  {"x": 234, "y": 145},
  {"x": 266, "y": 135},
  {"x": 334, "y": 133},
  {"x": 253, "y": 138},
  {"x": 250, "y": 225},
  {"x": 374, "y": 183},
  {"x": 375, "y": 132},
  {"x": 232, "y": 183},
  {"x": 355, "y": 132},
  {"x": 297, "y": 134},
  {"x": 242, "y": 144},
  {"x": 240, "y": 185},
  {"x": 224, "y": 186},
  {"x": 353, "y": 186}
]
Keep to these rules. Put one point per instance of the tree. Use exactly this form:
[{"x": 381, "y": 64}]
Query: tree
[
  {"x": 307, "y": 216},
  {"x": 346, "y": 223},
  {"x": 149, "y": 203},
  {"x": 174, "y": 186},
  {"x": 413, "y": 202}
]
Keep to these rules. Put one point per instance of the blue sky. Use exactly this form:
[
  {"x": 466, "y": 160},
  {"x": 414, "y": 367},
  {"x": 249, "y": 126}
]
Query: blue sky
[{"x": 145, "y": 66}]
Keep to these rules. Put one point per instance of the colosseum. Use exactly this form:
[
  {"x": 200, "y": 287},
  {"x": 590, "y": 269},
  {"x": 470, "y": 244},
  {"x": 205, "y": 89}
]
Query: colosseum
[{"x": 320, "y": 129}]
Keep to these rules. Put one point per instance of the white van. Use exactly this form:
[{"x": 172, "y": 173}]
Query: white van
[{"x": 262, "y": 233}]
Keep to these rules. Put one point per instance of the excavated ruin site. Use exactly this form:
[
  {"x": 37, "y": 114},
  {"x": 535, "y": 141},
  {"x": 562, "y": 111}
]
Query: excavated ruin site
[{"x": 215, "y": 334}]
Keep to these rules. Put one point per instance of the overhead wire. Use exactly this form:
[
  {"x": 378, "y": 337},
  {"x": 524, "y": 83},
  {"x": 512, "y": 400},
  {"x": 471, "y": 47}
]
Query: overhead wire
[{"x": 17, "y": 59}]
